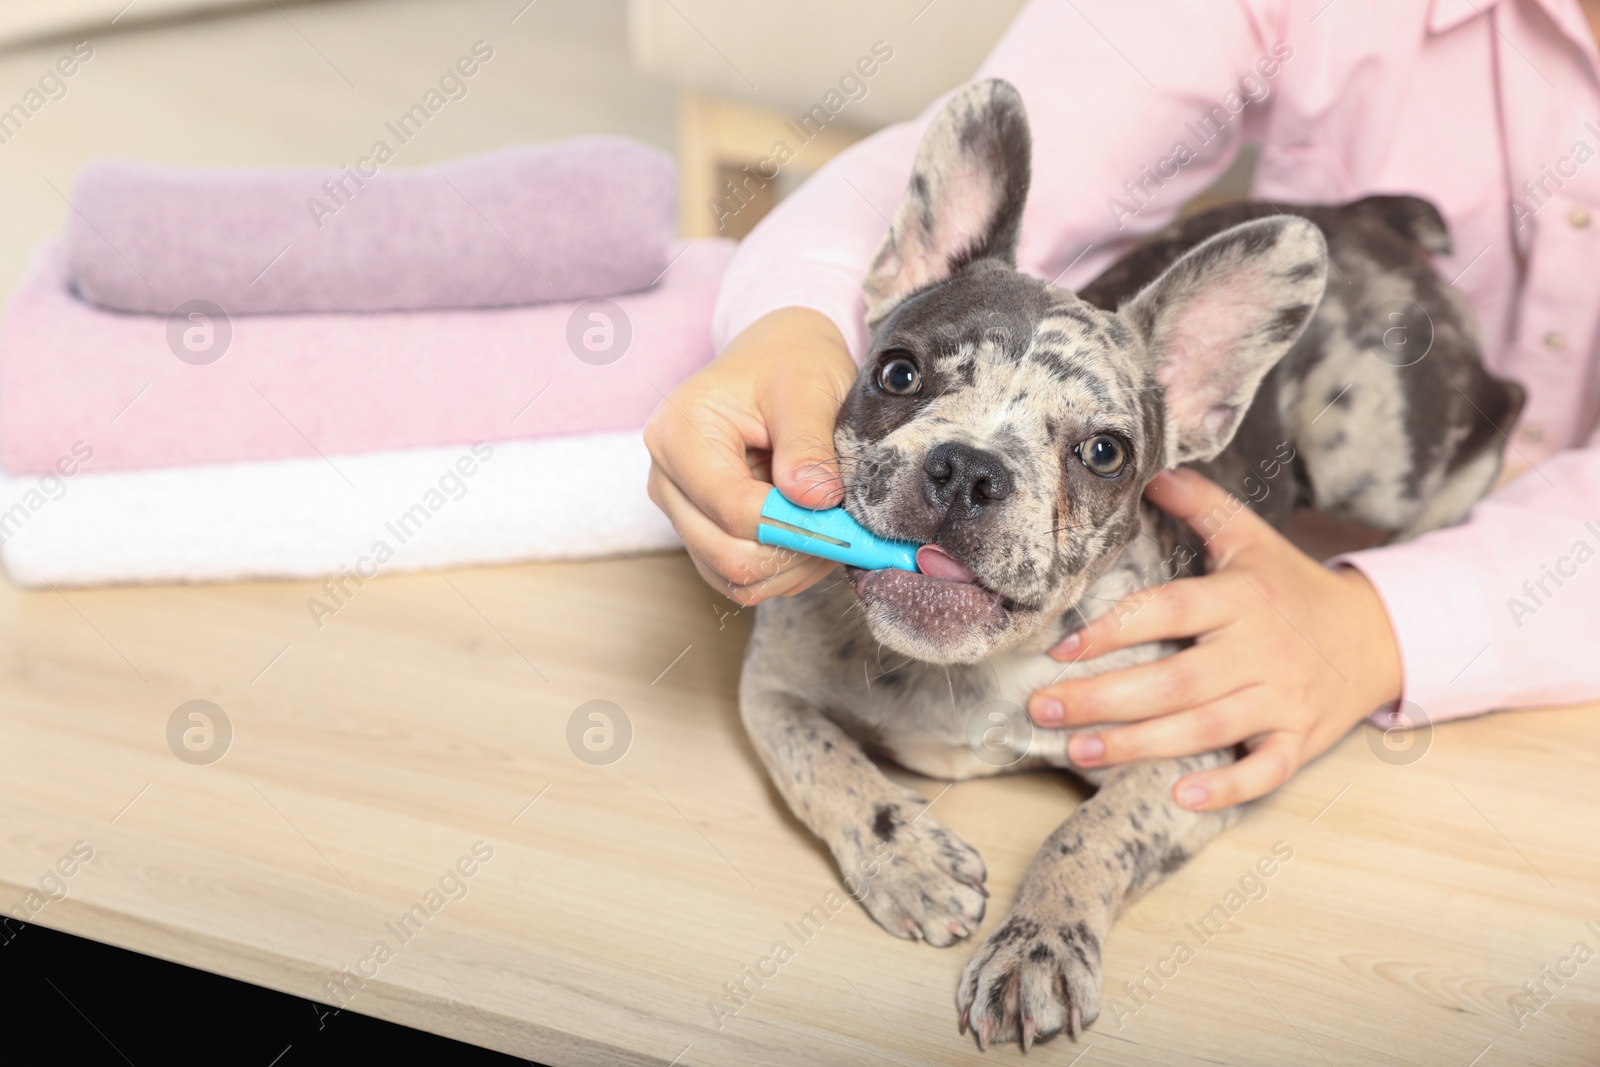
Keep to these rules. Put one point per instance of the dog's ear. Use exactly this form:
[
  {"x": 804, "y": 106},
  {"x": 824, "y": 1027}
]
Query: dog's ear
[
  {"x": 1217, "y": 320},
  {"x": 965, "y": 198}
]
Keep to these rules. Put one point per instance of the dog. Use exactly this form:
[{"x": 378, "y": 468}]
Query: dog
[{"x": 1014, "y": 425}]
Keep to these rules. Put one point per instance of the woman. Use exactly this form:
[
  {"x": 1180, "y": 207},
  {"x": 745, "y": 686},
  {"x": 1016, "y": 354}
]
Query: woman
[{"x": 1488, "y": 108}]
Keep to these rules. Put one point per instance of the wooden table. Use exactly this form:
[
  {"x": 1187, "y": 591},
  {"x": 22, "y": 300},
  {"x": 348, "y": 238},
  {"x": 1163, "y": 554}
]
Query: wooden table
[{"x": 367, "y": 759}]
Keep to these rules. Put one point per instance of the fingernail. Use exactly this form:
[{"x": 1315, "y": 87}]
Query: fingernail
[
  {"x": 1086, "y": 748},
  {"x": 1068, "y": 645},
  {"x": 1192, "y": 796},
  {"x": 1048, "y": 711}
]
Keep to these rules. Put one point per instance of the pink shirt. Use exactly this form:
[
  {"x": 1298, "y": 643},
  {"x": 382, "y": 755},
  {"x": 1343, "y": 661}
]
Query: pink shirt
[{"x": 1489, "y": 108}]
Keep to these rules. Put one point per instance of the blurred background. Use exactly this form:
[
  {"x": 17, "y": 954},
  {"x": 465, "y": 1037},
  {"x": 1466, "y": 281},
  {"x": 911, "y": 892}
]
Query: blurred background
[
  {"x": 242, "y": 82},
  {"x": 717, "y": 82}
]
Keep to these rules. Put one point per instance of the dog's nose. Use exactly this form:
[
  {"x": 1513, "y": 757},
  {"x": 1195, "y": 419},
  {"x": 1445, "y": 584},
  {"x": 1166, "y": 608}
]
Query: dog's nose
[{"x": 960, "y": 476}]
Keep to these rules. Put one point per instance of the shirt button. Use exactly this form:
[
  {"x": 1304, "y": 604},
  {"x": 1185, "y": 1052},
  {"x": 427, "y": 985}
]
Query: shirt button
[
  {"x": 1532, "y": 434},
  {"x": 1578, "y": 217},
  {"x": 1555, "y": 341}
]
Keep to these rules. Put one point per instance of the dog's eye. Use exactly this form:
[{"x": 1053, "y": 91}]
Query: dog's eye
[
  {"x": 900, "y": 377},
  {"x": 1103, "y": 454}
]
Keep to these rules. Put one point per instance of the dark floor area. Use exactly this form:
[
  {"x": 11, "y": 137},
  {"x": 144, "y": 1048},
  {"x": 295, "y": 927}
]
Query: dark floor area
[{"x": 81, "y": 1002}]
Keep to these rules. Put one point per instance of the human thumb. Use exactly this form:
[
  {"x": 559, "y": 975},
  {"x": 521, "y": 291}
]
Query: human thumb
[{"x": 805, "y": 467}]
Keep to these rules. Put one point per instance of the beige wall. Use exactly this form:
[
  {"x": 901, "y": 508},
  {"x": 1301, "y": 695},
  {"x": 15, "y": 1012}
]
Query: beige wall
[
  {"x": 786, "y": 54},
  {"x": 31, "y": 20}
]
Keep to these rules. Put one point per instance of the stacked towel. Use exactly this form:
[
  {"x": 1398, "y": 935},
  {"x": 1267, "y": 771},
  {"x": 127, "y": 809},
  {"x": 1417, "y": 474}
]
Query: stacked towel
[
  {"x": 201, "y": 444},
  {"x": 570, "y": 497},
  {"x": 579, "y": 219},
  {"x": 290, "y": 386}
]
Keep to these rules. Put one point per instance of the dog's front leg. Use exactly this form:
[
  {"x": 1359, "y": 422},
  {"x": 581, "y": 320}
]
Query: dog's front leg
[
  {"x": 914, "y": 877},
  {"x": 1039, "y": 972}
]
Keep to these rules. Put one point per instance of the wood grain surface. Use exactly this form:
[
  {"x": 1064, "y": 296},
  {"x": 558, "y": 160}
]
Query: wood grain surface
[{"x": 369, "y": 757}]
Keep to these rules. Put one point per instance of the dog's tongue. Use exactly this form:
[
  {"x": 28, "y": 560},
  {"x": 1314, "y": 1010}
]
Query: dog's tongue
[{"x": 935, "y": 562}]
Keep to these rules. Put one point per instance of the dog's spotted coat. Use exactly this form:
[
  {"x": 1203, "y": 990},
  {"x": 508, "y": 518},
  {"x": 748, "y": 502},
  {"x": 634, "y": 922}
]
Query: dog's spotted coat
[{"x": 1225, "y": 328}]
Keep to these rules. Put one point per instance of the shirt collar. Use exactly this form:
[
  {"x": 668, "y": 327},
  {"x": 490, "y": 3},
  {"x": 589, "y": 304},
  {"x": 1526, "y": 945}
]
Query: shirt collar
[{"x": 1566, "y": 14}]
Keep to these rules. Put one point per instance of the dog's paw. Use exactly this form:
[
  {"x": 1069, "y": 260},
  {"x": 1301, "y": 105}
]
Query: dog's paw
[
  {"x": 925, "y": 883},
  {"x": 1030, "y": 979}
]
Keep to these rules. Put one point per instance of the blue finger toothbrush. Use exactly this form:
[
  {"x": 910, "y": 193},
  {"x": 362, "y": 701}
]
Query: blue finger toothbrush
[{"x": 832, "y": 534}]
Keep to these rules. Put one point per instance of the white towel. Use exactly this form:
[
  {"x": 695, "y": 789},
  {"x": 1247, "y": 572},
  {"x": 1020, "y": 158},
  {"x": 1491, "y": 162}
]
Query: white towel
[{"x": 558, "y": 498}]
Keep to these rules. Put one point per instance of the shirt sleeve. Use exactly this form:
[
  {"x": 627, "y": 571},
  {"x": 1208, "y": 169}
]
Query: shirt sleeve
[
  {"x": 1504, "y": 610},
  {"x": 1127, "y": 126}
]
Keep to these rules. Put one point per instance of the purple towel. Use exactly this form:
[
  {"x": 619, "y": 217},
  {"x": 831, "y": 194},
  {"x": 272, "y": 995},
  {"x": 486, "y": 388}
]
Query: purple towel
[{"x": 579, "y": 219}]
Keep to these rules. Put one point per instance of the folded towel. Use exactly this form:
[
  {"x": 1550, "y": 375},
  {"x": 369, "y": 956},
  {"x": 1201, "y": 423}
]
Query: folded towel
[
  {"x": 139, "y": 390},
  {"x": 585, "y": 218},
  {"x": 377, "y": 513}
]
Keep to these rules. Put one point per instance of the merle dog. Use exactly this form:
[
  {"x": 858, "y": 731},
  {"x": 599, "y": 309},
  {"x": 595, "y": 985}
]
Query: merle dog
[{"x": 1014, "y": 425}]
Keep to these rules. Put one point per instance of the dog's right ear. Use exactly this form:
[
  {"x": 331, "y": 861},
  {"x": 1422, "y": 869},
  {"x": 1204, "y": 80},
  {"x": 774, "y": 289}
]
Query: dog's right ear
[{"x": 965, "y": 198}]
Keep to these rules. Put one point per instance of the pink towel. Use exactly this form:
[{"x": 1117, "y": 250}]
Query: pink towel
[
  {"x": 154, "y": 391},
  {"x": 584, "y": 218}
]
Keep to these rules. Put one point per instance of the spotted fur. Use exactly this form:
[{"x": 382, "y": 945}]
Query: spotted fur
[{"x": 1225, "y": 342}]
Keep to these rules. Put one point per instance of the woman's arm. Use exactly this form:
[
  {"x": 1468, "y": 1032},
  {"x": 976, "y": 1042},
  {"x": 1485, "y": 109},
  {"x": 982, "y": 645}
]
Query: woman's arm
[
  {"x": 1111, "y": 89},
  {"x": 1504, "y": 610},
  {"x": 1501, "y": 611}
]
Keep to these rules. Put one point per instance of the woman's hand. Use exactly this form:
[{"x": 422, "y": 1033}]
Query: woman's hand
[
  {"x": 1288, "y": 656},
  {"x": 760, "y": 414}
]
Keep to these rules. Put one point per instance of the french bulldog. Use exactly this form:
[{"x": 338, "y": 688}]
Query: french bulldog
[{"x": 1011, "y": 426}]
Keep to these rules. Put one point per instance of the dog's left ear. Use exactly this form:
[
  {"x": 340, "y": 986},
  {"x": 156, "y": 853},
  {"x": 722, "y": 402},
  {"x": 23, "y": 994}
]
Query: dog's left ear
[
  {"x": 1220, "y": 318},
  {"x": 965, "y": 198}
]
